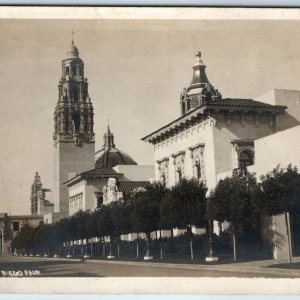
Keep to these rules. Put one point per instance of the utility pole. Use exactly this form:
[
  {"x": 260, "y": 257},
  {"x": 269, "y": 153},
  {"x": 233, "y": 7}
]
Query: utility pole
[{"x": 2, "y": 239}]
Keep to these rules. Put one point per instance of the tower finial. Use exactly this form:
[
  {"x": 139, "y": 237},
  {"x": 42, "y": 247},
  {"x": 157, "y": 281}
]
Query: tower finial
[
  {"x": 72, "y": 36},
  {"x": 198, "y": 57},
  {"x": 108, "y": 129}
]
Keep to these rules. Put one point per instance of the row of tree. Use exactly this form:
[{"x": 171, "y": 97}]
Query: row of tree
[{"x": 239, "y": 200}]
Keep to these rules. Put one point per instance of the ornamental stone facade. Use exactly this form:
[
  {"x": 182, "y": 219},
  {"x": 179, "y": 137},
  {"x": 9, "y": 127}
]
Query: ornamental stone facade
[
  {"x": 74, "y": 138},
  {"x": 39, "y": 204}
]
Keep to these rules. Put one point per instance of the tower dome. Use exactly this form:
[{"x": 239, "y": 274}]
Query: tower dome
[
  {"x": 72, "y": 52},
  {"x": 200, "y": 90},
  {"x": 109, "y": 156}
]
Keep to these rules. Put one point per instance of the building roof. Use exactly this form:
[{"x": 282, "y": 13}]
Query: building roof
[
  {"x": 109, "y": 156},
  {"x": 94, "y": 173},
  {"x": 128, "y": 186},
  {"x": 201, "y": 112},
  {"x": 248, "y": 103},
  {"x": 3, "y": 215},
  {"x": 22, "y": 217}
]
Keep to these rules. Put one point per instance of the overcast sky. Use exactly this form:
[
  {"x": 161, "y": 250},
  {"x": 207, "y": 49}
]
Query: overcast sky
[{"x": 136, "y": 71}]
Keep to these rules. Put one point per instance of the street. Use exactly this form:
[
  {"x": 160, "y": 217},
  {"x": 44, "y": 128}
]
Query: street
[{"x": 47, "y": 267}]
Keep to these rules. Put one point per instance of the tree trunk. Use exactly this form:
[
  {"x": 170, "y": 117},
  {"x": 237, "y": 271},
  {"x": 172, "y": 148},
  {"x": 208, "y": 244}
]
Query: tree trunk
[
  {"x": 137, "y": 246},
  {"x": 82, "y": 247},
  {"x": 91, "y": 247},
  {"x": 160, "y": 245},
  {"x": 234, "y": 246},
  {"x": 103, "y": 248},
  {"x": 110, "y": 246},
  {"x": 191, "y": 242},
  {"x": 287, "y": 223},
  {"x": 148, "y": 244},
  {"x": 191, "y": 247},
  {"x": 119, "y": 248}
]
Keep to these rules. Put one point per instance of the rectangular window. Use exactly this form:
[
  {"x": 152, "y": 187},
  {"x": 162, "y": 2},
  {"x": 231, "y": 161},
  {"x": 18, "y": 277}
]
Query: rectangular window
[{"x": 16, "y": 226}]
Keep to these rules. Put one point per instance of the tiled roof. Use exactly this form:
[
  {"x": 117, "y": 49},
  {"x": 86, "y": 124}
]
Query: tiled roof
[
  {"x": 98, "y": 172},
  {"x": 243, "y": 103},
  {"x": 224, "y": 104},
  {"x": 128, "y": 186}
]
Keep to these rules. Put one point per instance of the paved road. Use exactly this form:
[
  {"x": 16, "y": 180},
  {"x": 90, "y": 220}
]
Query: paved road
[{"x": 14, "y": 266}]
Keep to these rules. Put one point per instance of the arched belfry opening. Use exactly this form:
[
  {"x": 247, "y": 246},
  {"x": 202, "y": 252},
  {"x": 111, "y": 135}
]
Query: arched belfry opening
[{"x": 76, "y": 122}]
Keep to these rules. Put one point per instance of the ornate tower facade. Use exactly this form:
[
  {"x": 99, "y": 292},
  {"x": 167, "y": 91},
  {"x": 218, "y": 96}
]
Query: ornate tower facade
[
  {"x": 74, "y": 138},
  {"x": 36, "y": 188}
]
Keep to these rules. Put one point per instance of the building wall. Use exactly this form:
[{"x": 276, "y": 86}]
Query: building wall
[
  {"x": 223, "y": 135},
  {"x": 291, "y": 98},
  {"x": 69, "y": 158},
  {"x": 52, "y": 217},
  {"x": 200, "y": 133},
  {"x": 33, "y": 221},
  {"x": 281, "y": 148},
  {"x": 135, "y": 172},
  {"x": 44, "y": 209},
  {"x": 271, "y": 151},
  {"x": 87, "y": 189}
]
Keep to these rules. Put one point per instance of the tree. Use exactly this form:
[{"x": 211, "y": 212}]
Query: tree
[
  {"x": 120, "y": 210},
  {"x": 80, "y": 221},
  {"x": 105, "y": 225},
  {"x": 24, "y": 239},
  {"x": 146, "y": 210},
  {"x": 44, "y": 238},
  {"x": 234, "y": 200},
  {"x": 280, "y": 194},
  {"x": 183, "y": 206}
]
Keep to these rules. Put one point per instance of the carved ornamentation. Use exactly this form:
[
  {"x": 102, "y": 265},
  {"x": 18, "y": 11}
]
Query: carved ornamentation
[
  {"x": 238, "y": 147},
  {"x": 163, "y": 168},
  {"x": 197, "y": 156}
]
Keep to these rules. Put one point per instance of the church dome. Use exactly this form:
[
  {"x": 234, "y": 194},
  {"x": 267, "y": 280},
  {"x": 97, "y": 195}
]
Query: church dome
[
  {"x": 109, "y": 156},
  {"x": 72, "y": 51}
]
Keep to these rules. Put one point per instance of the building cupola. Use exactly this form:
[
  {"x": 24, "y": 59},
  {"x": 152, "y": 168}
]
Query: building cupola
[
  {"x": 72, "y": 51},
  {"x": 109, "y": 156},
  {"x": 200, "y": 90},
  {"x": 108, "y": 139}
]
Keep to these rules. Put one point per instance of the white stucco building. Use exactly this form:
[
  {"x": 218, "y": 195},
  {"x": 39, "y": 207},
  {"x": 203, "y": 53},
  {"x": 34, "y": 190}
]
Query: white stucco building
[{"x": 213, "y": 136}]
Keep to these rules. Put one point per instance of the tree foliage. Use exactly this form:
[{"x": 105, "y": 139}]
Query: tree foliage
[
  {"x": 280, "y": 191},
  {"x": 184, "y": 205},
  {"x": 235, "y": 200}
]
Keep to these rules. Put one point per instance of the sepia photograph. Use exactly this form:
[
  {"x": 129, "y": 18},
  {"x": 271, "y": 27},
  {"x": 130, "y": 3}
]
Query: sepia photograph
[{"x": 136, "y": 144}]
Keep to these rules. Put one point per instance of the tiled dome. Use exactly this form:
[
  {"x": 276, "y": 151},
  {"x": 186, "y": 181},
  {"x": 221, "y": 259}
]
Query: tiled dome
[{"x": 109, "y": 156}]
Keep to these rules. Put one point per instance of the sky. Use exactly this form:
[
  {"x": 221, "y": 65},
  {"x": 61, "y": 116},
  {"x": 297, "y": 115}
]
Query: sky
[{"x": 136, "y": 70}]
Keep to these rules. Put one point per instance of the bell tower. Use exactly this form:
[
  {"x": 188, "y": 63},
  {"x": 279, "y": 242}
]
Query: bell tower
[{"x": 74, "y": 138}]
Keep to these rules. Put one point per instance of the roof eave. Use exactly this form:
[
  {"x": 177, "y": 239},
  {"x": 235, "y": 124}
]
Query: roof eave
[{"x": 201, "y": 110}]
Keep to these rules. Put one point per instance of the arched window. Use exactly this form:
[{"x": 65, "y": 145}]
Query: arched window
[
  {"x": 163, "y": 179},
  {"x": 208, "y": 96},
  {"x": 182, "y": 108},
  {"x": 245, "y": 159},
  {"x": 74, "y": 70},
  {"x": 178, "y": 176},
  {"x": 197, "y": 169},
  {"x": 188, "y": 104},
  {"x": 76, "y": 122}
]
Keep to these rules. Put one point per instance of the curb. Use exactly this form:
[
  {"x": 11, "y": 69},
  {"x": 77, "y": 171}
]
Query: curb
[{"x": 221, "y": 268}]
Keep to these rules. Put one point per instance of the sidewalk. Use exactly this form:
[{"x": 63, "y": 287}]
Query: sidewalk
[{"x": 260, "y": 267}]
